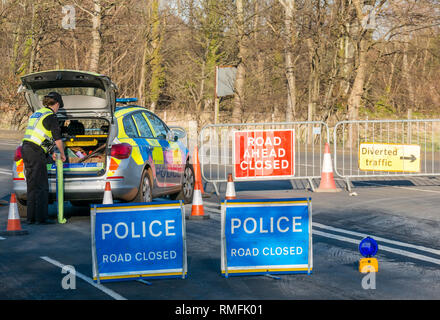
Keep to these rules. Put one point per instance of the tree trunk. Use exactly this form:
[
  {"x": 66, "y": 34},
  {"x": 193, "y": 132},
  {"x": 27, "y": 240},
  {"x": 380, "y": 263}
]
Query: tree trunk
[
  {"x": 75, "y": 50},
  {"x": 95, "y": 49},
  {"x": 157, "y": 76},
  {"x": 241, "y": 71},
  {"x": 354, "y": 100},
  {"x": 143, "y": 75},
  {"x": 260, "y": 54},
  {"x": 289, "y": 34},
  {"x": 407, "y": 75},
  {"x": 200, "y": 103},
  {"x": 355, "y": 97},
  {"x": 314, "y": 88}
]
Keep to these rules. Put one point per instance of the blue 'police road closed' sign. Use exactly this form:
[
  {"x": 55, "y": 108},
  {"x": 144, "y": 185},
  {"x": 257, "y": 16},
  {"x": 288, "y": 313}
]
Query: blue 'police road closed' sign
[
  {"x": 139, "y": 240},
  {"x": 266, "y": 236}
]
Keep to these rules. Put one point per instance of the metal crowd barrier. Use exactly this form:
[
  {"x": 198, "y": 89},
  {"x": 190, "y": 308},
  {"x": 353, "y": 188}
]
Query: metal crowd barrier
[
  {"x": 216, "y": 147},
  {"x": 349, "y": 135}
]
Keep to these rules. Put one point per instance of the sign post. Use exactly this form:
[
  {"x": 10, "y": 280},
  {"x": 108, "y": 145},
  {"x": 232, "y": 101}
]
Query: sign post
[
  {"x": 266, "y": 236},
  {"x": 224, "y": 86},
  {"x": 139, "y": 240}
]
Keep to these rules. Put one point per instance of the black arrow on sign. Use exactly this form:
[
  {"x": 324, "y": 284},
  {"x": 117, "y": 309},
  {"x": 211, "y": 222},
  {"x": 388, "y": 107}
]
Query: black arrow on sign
[{"x": 412, "y": 158}]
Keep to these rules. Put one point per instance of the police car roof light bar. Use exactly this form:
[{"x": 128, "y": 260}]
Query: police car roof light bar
[{"x": 126, "y": 100}]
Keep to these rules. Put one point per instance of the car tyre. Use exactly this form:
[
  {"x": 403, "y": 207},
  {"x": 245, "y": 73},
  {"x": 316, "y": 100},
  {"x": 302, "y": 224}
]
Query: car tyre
[
  {"x": 145, "y": 192},
  {"x": 187, "y": 191}
]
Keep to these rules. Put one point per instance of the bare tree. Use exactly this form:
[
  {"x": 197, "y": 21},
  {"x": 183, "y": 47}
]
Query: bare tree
[{"x": 290, "y": 39}]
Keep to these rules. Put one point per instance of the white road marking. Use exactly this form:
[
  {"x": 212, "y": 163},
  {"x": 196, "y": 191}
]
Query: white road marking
[
  {"x": 106, "y": 290},
  {"x": 1, "y": 238},
  {"x": 9, "y": 143},
  {"x": 7, "y": 172},
  {"x": 211, "y": 204},
  {"x": 398, "y": 187},
  {"x": 363, "y": 235},
  {"x": 382, "y": 247},
  {"x": 215, "y": 216}
]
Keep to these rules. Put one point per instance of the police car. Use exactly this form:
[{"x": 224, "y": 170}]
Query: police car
[{"x": 128, "y": 145}]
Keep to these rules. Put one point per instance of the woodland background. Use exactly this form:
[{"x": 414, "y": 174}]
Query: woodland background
[{"x": 324, "y": 60}]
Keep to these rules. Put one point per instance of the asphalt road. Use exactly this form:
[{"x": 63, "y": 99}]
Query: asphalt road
[{"x": 402, "y": 215}]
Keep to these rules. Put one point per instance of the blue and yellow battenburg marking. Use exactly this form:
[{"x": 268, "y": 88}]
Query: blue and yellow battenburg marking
[{"x": 145, "y": 149}]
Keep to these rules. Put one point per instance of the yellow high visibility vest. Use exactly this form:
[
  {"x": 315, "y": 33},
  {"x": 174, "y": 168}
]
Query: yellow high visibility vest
[{"x": 36, "y": 132}]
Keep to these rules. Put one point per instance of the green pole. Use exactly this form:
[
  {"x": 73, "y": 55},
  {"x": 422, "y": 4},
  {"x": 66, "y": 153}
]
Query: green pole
[{"x": 60, "y": 189}]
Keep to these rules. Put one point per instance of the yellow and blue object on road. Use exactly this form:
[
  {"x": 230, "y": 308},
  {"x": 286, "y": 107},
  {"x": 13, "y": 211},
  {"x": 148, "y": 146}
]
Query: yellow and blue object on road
[{"x": 368, "y": 247}]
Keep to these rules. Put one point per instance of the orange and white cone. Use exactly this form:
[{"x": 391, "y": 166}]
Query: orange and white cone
[
  {"x": 198, "y": 172},
  {"x": 197, "y": 210},
  {"x": 14, "y": 225},
  {"x": 230, "y": 189},
  {"x": 108, "y": 198},
  {"x": 327, "y": 180}
]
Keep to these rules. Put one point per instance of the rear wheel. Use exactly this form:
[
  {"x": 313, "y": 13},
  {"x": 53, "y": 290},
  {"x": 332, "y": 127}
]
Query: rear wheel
[
  {"x": 145, "y": 188},
  {"x": 187, "y": 191}
]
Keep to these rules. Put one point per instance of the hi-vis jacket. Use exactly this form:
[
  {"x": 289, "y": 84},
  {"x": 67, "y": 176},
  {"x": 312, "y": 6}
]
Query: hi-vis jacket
[{"x": 36, "y": 132}]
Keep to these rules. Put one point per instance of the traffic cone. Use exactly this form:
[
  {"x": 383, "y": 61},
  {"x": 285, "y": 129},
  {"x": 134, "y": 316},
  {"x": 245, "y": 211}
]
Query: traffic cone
[
  {"x": 198, "y": 172},
  {"x": 197, "y": 210},
  {"x": 327, "y": 180},
  {"x": 14, "y": 225},
  {"x": 230, "y": 189},
  {"x": 108, "y": 198}
]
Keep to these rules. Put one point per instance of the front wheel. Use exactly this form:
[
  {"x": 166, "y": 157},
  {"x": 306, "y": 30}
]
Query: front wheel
[
  {"x": 145, "y": 188},
  {"x": 187, "y": 191}
]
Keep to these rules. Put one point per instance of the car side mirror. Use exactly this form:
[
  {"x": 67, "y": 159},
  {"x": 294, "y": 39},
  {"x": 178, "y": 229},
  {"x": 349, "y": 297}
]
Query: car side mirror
[
  {"x": 179, "y": 134},
  {"x": 172, "y": 136}
]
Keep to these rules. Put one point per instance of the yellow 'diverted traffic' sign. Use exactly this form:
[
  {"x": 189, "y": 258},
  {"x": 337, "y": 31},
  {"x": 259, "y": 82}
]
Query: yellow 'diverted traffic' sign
[{"x": 389, "y": 157}]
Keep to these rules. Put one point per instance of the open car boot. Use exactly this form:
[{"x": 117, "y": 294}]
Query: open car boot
[{"x": 85, "y": 143}]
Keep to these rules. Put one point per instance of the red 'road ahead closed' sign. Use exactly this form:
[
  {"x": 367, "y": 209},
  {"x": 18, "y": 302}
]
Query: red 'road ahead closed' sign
[{"x": 264, "y": 153}]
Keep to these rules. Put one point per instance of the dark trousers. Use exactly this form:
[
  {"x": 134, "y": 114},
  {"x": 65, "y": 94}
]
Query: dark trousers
[{"x": 35, "y": 161}]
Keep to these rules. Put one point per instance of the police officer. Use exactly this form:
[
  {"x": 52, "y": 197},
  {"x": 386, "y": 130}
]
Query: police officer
[{"x": 42, "y": 132}]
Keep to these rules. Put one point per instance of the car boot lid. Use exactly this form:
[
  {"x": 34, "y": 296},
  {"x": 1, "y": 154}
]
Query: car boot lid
[{"x": 84, "y": 93}]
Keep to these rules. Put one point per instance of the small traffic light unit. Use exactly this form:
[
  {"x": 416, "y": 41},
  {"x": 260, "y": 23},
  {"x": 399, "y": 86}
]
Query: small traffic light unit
[{"x": 368, "y": 248}]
